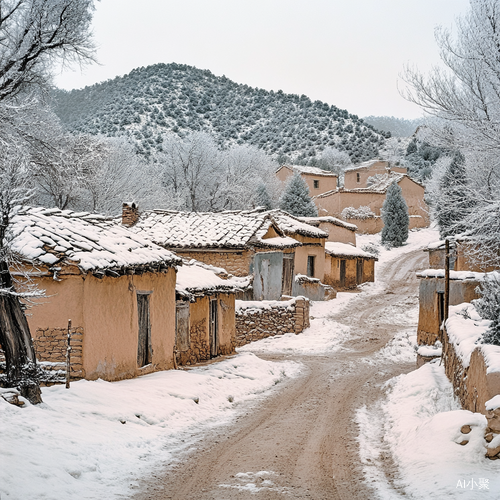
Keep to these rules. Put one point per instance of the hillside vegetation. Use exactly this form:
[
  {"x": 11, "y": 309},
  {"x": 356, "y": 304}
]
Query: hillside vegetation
[{"x": 150, "y": 101}]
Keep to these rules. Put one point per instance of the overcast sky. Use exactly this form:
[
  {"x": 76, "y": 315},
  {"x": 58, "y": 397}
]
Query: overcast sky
[{"x": 349, "y": 53}]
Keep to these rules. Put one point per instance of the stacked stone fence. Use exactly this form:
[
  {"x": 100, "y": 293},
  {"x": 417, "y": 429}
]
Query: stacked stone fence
[
  {"x": 50, "y": 347},
  {"x": 262, "y": 319},
  {"x": 475, "y": 385}
]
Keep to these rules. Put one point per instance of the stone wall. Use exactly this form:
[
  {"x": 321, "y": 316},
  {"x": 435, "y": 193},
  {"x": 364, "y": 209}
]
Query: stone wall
[
  {"x": 472, "y": 384},
  {"x": 237, "y": 263},
  {"x": 50, "y": 346},
  {"x": 199, "y": 349},
  {"x": 258, "y": 320}
]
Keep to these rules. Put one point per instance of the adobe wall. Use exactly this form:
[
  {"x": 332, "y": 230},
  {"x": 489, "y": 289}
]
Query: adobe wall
[
  {"x": 106, "y": 311},
  {"x": 368, "y": 270},
  {"x": 326, "y": 183},
  {"x": 372, "y": 225},
  {"x": 473, "y": 385},
  {"x": 236, "y": 263},
  {"x": 275, "y": 318},
  {"x": 428, "y": 331},
  {"x": 310, "y": 247},
  {"x": 350, "y": 176},
  {"x": 338, "y": 233},
  {"x": 464, "y": 263}
]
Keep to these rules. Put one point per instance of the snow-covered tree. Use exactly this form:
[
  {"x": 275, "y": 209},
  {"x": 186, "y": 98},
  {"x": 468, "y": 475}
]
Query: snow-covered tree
[
  {"x": 454, "y": 202},
  {"x": 488, "y": 307},
  {"x": 395, "y": 216},
  {"x": 296, "y": 200},
  {"x": 34, "y": 34},
  {"x": 262, "y": 197}
]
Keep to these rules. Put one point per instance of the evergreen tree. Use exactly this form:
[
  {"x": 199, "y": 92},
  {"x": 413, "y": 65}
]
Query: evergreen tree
[
  {"x": 395, "y": 216},
  {"x": 262, "y": 197},
  {"x": 296, "y": 199},
  {"x": 455, "y": 201}
]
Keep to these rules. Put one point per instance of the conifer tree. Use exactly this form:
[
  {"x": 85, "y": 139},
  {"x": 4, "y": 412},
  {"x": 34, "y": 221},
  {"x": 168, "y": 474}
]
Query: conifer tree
[
  {"x": 395, "y": 216},
  {"x": 454, "y": 202},
  {"x": 262, "y": 197},
  {"x": 296, "y": 199}
]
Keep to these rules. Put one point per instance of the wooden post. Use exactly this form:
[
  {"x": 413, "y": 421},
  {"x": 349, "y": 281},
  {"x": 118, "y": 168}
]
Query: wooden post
[
  {"x": 446, "y": 280},
  {"x": 68, "y": 355}
]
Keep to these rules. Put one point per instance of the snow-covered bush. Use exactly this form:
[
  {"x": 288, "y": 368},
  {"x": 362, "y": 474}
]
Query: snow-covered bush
[
  {"x": 488, "y": 306},
  {"x": 360, "y": 213},
  {"x": 371, "y": 248},
  {"x": 395, "y": 216}
]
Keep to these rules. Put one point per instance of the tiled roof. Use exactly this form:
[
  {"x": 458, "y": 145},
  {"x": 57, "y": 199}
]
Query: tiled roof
[
  {"x": 230, "y": 229},
  {"x": 93, "y": 243},
  {"x": 195, "y": 278},
  {"x": 346, "y": 250},
  {"x": 291, "y": 225},
  {"x": 315, "y": 221}
]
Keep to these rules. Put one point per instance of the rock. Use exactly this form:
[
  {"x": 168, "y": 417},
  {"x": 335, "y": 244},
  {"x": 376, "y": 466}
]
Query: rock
[
  {"x": 465, "y": 429},
  {"x": 492, "y": 452}
]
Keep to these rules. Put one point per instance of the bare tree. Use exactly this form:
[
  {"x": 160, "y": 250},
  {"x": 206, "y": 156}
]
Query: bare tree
[{"x": 33, "y": 34}]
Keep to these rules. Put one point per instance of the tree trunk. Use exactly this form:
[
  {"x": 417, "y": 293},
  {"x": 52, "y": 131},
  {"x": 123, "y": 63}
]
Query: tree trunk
[{"x": 16, "y": 341}]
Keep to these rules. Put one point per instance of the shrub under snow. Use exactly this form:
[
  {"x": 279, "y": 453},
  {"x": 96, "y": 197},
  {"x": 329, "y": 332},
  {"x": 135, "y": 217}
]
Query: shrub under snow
[{"x": 360, "y": 213}]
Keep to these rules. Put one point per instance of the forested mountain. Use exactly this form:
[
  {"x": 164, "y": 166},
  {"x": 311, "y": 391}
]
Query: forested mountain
[
  {"x": 150, "y": 101},
  {"x": 398, "y": 127}
]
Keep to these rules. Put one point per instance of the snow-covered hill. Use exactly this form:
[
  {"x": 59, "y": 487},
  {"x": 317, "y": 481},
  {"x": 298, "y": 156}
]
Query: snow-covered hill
[{"x": 171, "y": 97}]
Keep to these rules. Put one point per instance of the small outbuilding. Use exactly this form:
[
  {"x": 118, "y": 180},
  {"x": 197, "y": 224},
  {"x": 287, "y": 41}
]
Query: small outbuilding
[
  {"x": 318, "y": 181},
  {"x": 205, "y": 313},
  {"x": 346, "y": 266}
]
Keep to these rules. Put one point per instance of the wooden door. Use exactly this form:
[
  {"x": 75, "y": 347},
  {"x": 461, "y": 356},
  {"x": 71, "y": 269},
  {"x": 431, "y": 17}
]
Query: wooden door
[
  {"x": 287, "y": 277},
  {"x": 182, "y": 333},
  {"x": 342, "y": 273},
  {"x": 359, "y": 271},
  {"x": 144, "y": 350},
  {"x": 214, "y": 328}
]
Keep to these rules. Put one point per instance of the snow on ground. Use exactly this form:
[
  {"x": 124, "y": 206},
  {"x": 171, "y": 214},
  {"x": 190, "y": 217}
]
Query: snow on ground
[
  {"x": 418, "y": 426},
  {"x": 97, "y": 438}
]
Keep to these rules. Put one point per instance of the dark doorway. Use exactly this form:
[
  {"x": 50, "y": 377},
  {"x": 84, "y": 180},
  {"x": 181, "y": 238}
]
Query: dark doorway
[
  {"x": 287, "y": 276},
  {"x": 359, "y": 271},
  {"x": 144, "y": 349},
  {"x": 310, "y": 265},
  {"x": 214, "y": 328},
  {"x": 342, "y": 273},
  {"x": 440, "y": 300}
]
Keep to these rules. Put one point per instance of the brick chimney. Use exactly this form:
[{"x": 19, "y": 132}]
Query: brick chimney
[{"x": 130, "y": 214}]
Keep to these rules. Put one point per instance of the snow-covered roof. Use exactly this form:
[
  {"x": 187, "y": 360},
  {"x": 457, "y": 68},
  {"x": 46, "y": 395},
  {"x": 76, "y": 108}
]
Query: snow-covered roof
[
  {"x": 93, "y": 243},
  {"x": 316, "y": 221},
  {"x": 302, "y": 169},
  {"x": 230, "y": 229},
  {"x": 291, "y": 225},
  {"x": 365, "y": 164},
  {"x": 454, "y": 275},
  {"x": 195, "y": 278},
  {"x": 336, "y": 249}
]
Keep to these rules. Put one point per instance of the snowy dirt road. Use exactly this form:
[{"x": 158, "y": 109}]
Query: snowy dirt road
[{"x": 301, "y": 441}]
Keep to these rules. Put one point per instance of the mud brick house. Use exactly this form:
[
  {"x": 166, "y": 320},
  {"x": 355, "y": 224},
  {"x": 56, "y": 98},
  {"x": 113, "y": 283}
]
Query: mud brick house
[
  {"x": 205, "y": 313},
  {"x": 117, "y": 288},
  {"x": 359, "y": 176},
  {"x": 318, "y": 180},
  {"x": 337, "y": 229},
  {"x": 346, "y": 266},
  {"x": 373, "y": 196},
  {"x": 241, "y": 242}
]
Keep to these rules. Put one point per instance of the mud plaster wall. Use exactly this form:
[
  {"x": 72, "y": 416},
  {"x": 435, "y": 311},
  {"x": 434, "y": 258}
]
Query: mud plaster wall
[
  {"x": 326, "y": 183},
  {"x": 256, "y": 324},
  {"x": 472, "y": 384},
  {"x": 106, "y": 310},
  {"x": 314, "y": 247},
  {"x": 332, "y": 272},
  {"x": 338, "y": 233},
  {"x": 428, "y": 316}
]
